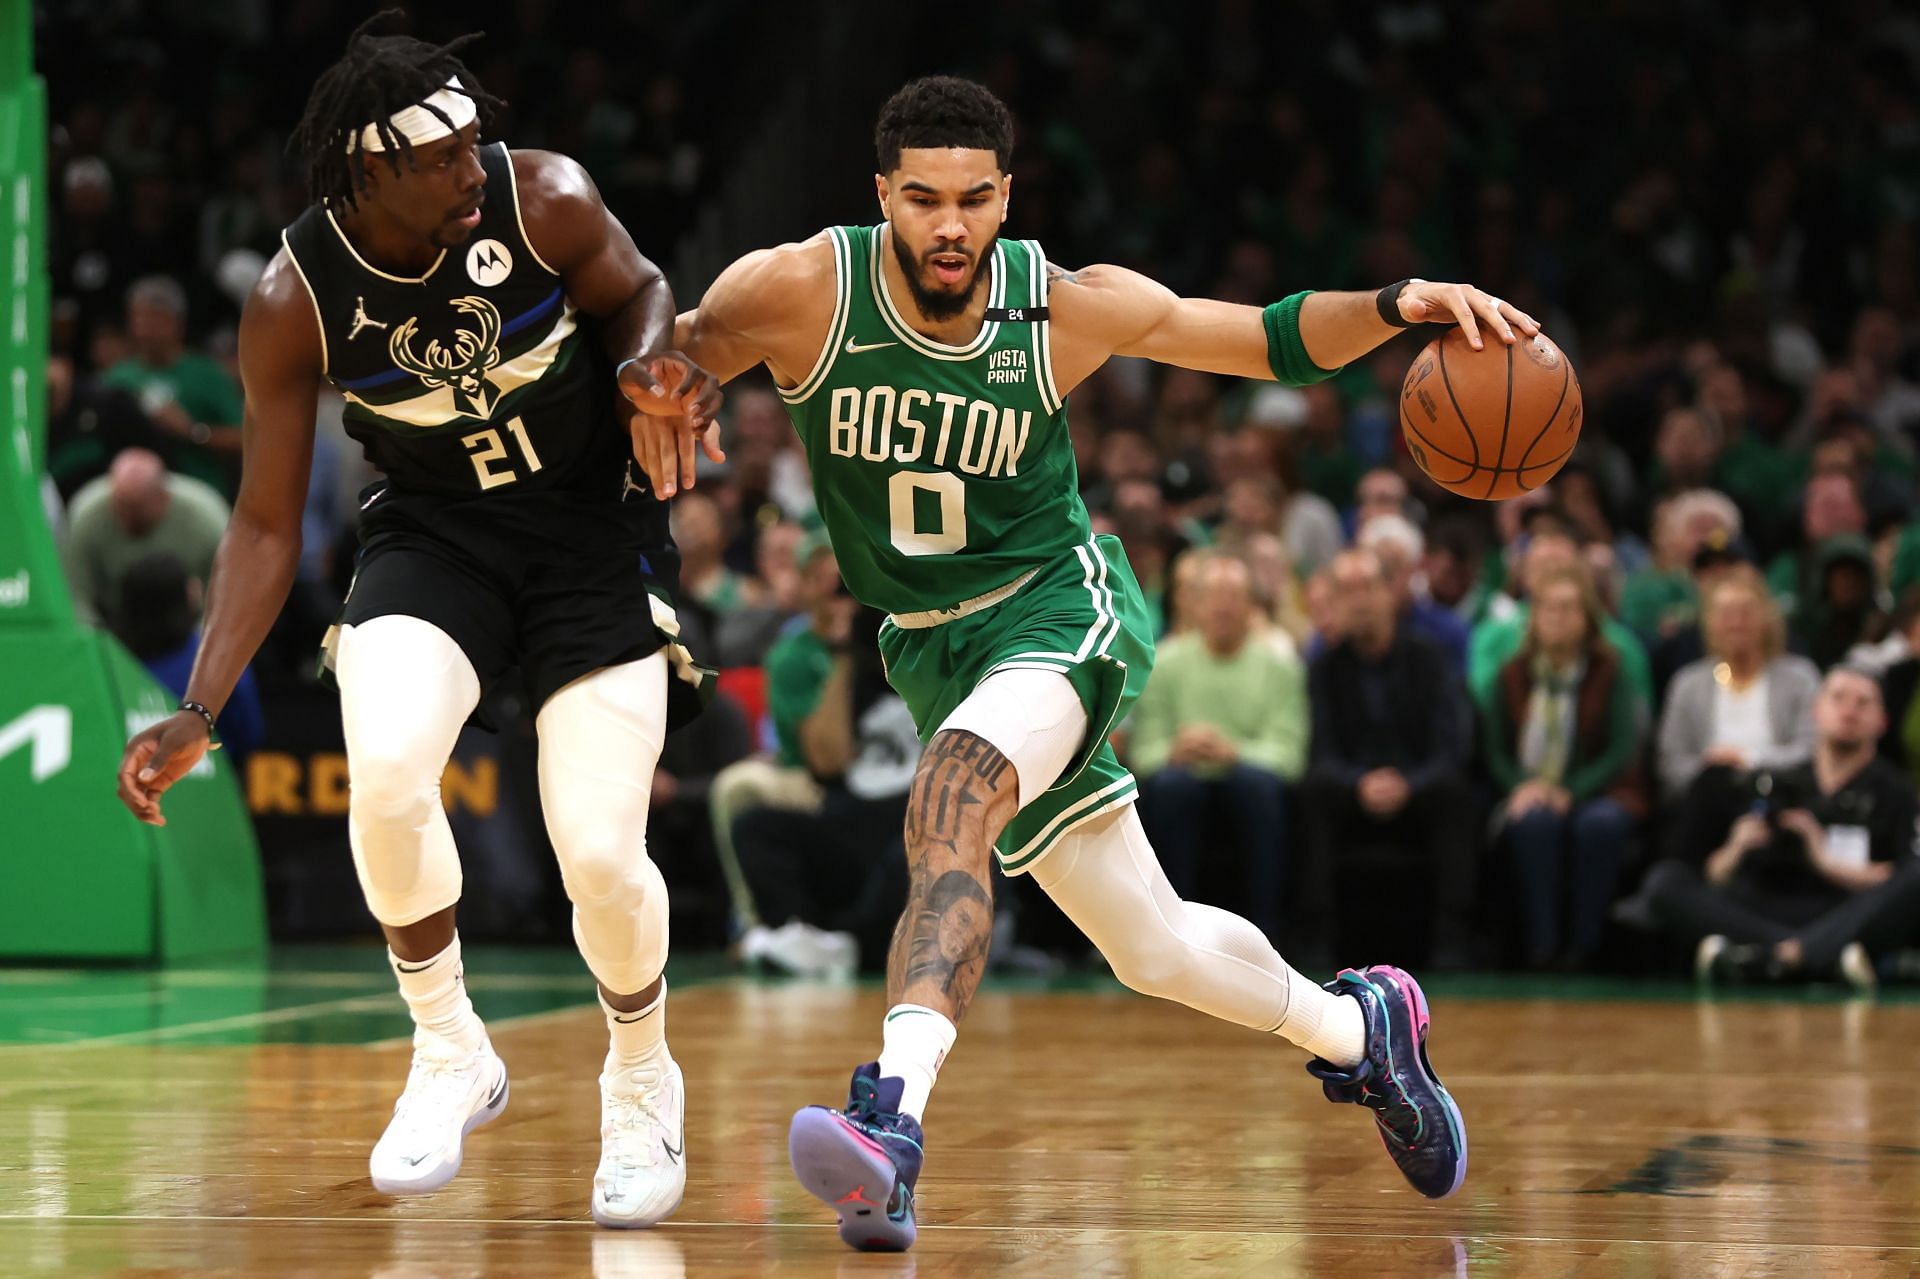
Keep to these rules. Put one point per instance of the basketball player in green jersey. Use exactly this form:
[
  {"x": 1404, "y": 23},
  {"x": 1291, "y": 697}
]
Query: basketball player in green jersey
[
  {"x": 925, "y": 363},
  {"x": 475, "y": 306}
]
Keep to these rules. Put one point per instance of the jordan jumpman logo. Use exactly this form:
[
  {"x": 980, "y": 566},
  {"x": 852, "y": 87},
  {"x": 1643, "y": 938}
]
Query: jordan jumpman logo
[{"x": 360, "y": 320}]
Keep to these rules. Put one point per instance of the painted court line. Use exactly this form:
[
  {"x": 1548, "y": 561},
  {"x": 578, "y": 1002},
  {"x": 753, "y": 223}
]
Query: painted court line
[
  {"x": 240, "y": 1021},
  {"x": 387, "y": 1223}
]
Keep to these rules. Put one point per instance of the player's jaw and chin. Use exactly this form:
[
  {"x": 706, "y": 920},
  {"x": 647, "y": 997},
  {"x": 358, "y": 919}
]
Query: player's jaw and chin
[{"x": 917, "y": 230}]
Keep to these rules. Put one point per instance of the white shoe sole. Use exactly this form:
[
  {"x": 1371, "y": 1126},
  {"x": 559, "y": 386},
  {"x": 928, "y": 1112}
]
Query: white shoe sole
[{"x": 440, "y": 1174}]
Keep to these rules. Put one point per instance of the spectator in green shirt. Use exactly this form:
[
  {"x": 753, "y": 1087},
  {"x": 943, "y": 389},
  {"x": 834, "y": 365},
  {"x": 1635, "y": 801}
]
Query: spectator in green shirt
[
  {"x": 1219, "y": 734},
  {"x": 1496, "y": 640},
  {"x": 1830, "y": 509},
  {"x": 137, "y": 509},
  {"x": 184, "y": 393},
  {"x": 1659, "y": 601}
]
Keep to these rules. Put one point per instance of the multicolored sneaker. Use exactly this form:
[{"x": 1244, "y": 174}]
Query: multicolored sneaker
[
  {"x": 862, "y": 1162},
  {"x": 1419, "y": 1124}
]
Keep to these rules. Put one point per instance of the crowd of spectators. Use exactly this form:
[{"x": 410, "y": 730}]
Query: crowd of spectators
[{"x": 1630, "y": 705}]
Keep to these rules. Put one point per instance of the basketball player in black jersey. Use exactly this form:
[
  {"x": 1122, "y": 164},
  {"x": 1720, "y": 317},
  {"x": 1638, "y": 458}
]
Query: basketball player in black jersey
[{"x": 477, "y": 307}]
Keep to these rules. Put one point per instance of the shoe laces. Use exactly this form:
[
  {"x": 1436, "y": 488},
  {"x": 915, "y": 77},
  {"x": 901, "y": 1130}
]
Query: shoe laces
[
  {"x": 434, "y": 1086},
  {"x": 633, "y": 1113}
]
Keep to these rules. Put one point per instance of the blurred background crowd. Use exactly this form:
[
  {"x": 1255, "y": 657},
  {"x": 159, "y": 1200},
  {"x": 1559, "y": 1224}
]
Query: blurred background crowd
[{"x": 1660, "y": 711}]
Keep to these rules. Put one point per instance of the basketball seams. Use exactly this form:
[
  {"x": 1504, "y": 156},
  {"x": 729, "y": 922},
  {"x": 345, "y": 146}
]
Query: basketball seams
[
  {"x": 1566, "y": 379},
  {"x": 1466, "y": 428},
  {"x": 1506, "y": 426}
]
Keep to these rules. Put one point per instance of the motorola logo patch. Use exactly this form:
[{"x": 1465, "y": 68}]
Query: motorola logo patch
[{"x": 488, "y": 263}]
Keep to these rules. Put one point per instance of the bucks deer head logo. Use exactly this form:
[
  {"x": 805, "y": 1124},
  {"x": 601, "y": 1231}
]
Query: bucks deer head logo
[{"x": 462, "y": 368}]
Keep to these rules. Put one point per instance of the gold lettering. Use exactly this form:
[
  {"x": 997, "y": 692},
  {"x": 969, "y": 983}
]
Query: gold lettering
[
  {"x": 477, "y": 791},
  {"x": 273, "y": 783},
  {"x": 328, "y": 788}
]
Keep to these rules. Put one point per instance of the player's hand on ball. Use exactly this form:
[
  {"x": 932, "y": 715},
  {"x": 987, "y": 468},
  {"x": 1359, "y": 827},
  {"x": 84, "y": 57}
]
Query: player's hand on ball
[
  {"x": 1436, "y": 302},
  {"x": 158, "y": 757}
]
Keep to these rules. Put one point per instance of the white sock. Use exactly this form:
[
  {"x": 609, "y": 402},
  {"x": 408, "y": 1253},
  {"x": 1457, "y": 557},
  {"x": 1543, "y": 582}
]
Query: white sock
[
  {"x": 436, "y": 994},
  {"x": 637, "y": 1037},
  {"x": 1325, "y": 1024},
  {"x": 914, "y": 1041}
]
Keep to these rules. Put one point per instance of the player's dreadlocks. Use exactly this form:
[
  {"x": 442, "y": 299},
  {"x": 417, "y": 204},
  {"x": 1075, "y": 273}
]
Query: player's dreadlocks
[{"x": 377, "y": 76}]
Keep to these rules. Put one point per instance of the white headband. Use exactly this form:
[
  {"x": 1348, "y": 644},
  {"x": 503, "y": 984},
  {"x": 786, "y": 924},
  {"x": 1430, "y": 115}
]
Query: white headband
[{"x": 418, "y": 125}]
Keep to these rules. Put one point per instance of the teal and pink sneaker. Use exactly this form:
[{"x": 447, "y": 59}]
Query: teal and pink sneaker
[
  {"x": 862, "y": 1162},
  {"x": 1419, "y": 1124}
]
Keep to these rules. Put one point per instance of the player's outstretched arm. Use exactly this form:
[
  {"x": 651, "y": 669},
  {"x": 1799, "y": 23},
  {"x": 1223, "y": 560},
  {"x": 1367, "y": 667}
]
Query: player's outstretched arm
[
  {"x": 280, "y": 363},
  {"x": 771, "y": 307},
  {"x": 608, "y": 278},
  {"x": 1103, "y": 311}
]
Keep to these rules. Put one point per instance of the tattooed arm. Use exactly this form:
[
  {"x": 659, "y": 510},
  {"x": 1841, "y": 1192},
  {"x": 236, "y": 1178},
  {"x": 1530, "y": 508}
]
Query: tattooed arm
[{"x": 963, "y": 795}]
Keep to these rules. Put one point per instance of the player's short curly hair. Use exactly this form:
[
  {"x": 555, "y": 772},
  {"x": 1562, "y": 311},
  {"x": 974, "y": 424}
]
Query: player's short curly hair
[{"x": 943, "y": 111}]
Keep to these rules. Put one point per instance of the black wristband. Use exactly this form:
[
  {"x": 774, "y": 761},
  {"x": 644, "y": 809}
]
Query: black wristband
[
  {"x": 213, "y": 737},
  {"x": 1387, "y": 301}
]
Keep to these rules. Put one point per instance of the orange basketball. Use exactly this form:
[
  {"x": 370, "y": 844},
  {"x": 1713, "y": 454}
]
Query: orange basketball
[{"x": 1493, "y": 423}]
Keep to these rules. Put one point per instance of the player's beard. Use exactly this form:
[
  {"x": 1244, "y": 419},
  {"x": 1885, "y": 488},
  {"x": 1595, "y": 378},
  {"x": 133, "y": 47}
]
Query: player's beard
[{"x": 934, "y": 304}]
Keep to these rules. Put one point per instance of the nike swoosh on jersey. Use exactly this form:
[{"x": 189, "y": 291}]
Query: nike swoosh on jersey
[{"x": 854, "y": 348}]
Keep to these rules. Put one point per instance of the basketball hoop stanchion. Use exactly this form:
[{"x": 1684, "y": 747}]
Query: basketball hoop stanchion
[{"x": 79, "y": 876}]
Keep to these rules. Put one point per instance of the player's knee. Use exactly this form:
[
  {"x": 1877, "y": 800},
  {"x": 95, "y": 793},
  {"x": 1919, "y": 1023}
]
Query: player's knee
[
  {"x": 1151, "y": 962},
  {"x": 390, "y": 783},
  {"x": 602, "y": 865}
]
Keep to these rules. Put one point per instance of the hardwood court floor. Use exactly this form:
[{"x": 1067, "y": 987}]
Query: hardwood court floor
[{"x": 1073, "y": 1134}]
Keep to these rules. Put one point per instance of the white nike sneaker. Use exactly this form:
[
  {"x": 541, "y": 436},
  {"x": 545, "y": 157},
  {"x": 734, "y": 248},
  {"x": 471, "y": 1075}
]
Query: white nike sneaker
[
  {"x": 445, "y": 1099},
  {"x": 643, "y": 1167}
]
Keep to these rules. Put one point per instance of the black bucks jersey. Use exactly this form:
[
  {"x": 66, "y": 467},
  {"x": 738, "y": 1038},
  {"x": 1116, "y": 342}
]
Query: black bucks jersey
[{"x": 477, "y": 378}]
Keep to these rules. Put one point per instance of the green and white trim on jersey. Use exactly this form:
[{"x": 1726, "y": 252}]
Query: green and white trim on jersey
[{"x": 837, "y": 330}]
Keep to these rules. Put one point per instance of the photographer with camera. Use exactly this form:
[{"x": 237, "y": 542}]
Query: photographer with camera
[
  {"x": 827, "y": 880},
  {"x": 1808, "y": 870}
]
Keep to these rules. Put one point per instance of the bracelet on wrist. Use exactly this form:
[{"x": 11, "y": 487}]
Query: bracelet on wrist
[{"x": 213, "y": 735}]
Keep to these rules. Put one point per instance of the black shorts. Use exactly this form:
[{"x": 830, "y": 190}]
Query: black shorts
[{"x": 549, "y": 584}]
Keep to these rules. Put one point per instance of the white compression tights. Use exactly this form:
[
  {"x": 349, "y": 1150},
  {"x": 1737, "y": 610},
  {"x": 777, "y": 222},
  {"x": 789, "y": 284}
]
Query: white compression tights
[
  {"x": 1105, "y": 877},
  {"x": 600, "y": 738},
  {"x": 405, "y": 690}
]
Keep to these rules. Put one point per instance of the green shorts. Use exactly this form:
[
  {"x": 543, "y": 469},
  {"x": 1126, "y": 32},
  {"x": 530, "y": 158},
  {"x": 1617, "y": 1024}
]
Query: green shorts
[{"x": 1083, "y": 616}]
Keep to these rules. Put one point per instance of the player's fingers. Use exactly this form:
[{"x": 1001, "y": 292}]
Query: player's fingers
[
  {"x": 683, "y": 441},
  {"x": 689, "y": 378},
  {"x": 637, "y": 381},
  {"x": 710, "y": 442},
  {"x": 1493, "y": 309},
  {"x": 1463, "y": 313},
  {"x": 1527, "y": 324},
  {"x": 662, "y": 466}
]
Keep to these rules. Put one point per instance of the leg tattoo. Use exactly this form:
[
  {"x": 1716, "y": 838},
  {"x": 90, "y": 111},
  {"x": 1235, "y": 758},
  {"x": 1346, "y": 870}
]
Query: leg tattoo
[{"x": 963, "y": 794}]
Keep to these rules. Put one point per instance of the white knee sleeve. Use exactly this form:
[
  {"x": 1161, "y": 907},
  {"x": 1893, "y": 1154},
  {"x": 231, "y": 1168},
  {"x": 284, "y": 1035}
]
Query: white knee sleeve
[
  {"x": 405, "y": 690},
  {"x": 1105, "y": 877},
  {"x": 600, "y": 738},
  {"x": 1032, "y": 717}
]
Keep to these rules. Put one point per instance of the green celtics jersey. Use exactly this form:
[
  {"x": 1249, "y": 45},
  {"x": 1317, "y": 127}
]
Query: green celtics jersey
[{"x": 942, "y": 472}]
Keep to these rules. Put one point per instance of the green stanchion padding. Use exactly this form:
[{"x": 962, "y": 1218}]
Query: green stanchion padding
[{"x": 80, "y": 877}]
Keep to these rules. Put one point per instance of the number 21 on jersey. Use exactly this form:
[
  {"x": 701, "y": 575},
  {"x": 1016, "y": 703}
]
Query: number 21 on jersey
[{"x": 485, "y": 448}]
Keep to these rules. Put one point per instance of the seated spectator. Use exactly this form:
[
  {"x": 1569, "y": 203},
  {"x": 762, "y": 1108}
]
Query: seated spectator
[
  {"x": 1686, "y": 450},
  {"x": 699, "y": 530},
  {"x": 183, "y": 393},
  {"x": 1659, "y": 600},
  {"x": 1494, "y": 641},
  {"x": 1261, "y": 504},
  {"x": 1589, "y": 510},
  {"x": 796, "y": 666},
  {"x": 836, "y": 877},
  {"x": 1715, "y": 558},
  {"x": 1744, "y": 706},
  {"x": 1809, "y": 869},
  {"x": 1400, "y": 547},
  {"x": 1217, "y": 738},
  {"x": 1381, "y": 491},
  {"x": 159, "y": 622},
  {"x": 1900, "y": 743},
  {"x": 88, "y": 425},
  {"x": 1831, "y": 508},
  {"x": 1456, "y": 567},
  {"x": 135, "y": 510},
  {"x": 744, "y": 636},
  {"x": 1388, "y": 757},
  {"x": 1843, "y": 605},
  {"x": 1562, "y": 733}
]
